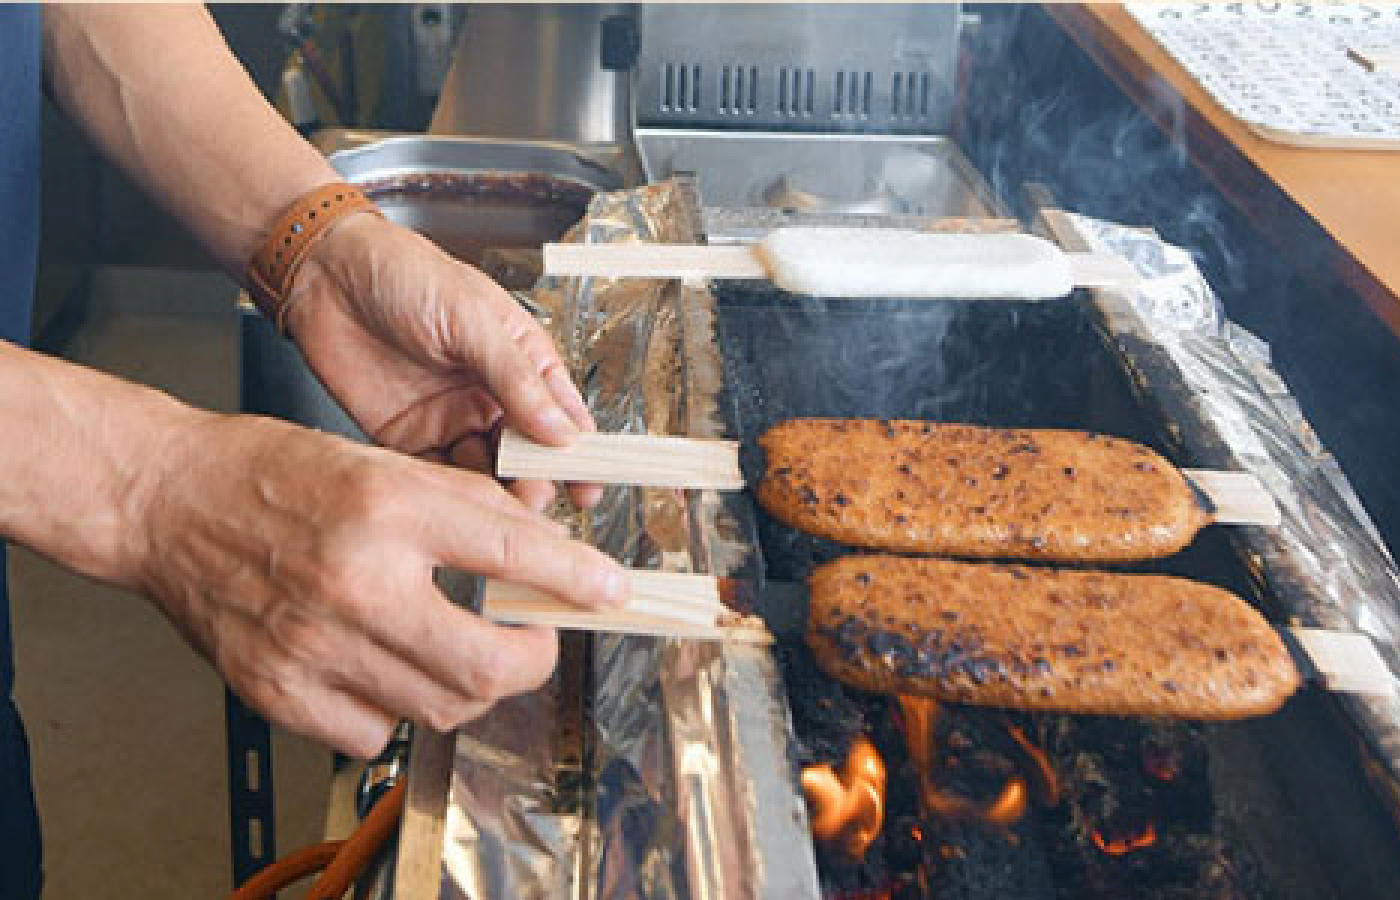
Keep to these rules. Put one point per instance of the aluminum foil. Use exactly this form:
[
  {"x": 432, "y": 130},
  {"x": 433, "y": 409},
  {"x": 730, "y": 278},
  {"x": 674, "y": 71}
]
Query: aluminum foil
[
  {"x": 1325, "y": 564},
  {"x": 648, "y": 768}
]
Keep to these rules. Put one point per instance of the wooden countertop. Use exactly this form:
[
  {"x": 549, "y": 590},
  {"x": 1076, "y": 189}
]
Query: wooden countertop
[{"x": 1353, "y": 196}]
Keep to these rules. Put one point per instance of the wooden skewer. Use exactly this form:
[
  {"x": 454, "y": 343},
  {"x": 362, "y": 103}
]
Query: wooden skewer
[
  {"x": 1346, "y": 662},
  {"x": 672, "y": 462},
  {"x": 668, "y": 604},
  {"x": 693, "y": 261},
  {"x": 1238, "y": 497},
  {"x": 646, "y": 460}
]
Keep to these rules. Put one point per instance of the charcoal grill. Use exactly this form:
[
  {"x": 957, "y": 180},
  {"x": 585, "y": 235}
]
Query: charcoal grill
[
  {"x": 667, "y": 769},
  {"x": 1238, "y": 812}
]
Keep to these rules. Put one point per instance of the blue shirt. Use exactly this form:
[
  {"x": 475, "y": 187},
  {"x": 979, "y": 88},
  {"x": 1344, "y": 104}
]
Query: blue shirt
[
  {"x": 19, "y": 208},
  {"x": 19, "y": 235}
]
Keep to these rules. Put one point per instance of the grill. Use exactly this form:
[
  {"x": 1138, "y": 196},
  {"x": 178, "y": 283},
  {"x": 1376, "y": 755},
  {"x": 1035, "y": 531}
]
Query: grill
[
  {"x": 673, "y": 769},
  {"x": 982, "y": 803}
]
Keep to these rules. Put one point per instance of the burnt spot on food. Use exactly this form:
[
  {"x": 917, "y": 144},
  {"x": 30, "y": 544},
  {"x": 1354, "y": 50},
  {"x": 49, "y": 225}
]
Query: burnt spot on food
[
  {"x": 890, "y": 430},
  {"x": 892, "y": 649},
  {"x": 863, "y": 579},
  {"x": 1221, "y": 655},
  {"x": 1171, "y": 687},
  {"x": 900, "y": 518},
  {"x": 977, "y": 510},
  {"x": 1026, "y": 447},
  {"x": 1040, "y": 665},
  {"x": 1037, "y": 542},
  {"x": 1108, "y": 665},
  {"x": 948, "y": 616},
  {"x": 1144, "y": 467},
  {"x": 999, "y": 471},
  {"x": 970, "y": 481},
  {"x": 1069, "y": 472},
  {"x": 782, "y": 471},
  {"x": 1072, "y": 651},
  {"x": 903, "y": 469},
  {"x": 926, "y": 428},
  {"x": 807, "y": 496},
  {"x": 841, "y": 499}
]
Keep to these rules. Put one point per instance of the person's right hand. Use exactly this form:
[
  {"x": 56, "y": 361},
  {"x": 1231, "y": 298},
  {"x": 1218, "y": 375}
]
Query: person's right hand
[{"x": 301, "y": 565}]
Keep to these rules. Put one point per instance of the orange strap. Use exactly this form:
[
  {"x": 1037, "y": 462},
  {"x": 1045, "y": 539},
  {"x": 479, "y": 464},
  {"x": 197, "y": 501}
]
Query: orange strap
[{"x": 291, "y": 239}]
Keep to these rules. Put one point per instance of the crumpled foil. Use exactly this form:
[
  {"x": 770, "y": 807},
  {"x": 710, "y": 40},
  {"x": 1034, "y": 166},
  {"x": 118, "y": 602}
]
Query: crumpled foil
[
  {"x": 1325, "y": 563},
  {"x": 648, "y": 768}
]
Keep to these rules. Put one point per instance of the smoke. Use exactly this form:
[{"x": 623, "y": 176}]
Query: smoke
[{"x": 1038, "y": 111}]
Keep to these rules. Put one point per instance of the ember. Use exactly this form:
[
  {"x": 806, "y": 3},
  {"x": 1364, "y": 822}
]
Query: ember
[
  {"x": 849, "y": 807},
  {"x": 1125, "y": 844}
]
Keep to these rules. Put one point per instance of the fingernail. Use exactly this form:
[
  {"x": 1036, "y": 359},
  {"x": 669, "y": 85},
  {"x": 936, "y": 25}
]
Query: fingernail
[
  {"x": 615, "y": 588},
  {"x": 567, "y": 393},
  {"x": 552, "y": 421}
]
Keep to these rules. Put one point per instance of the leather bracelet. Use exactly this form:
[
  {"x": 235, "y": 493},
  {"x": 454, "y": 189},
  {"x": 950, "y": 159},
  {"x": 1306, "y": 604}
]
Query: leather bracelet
[{"x": 274, "y": 266}]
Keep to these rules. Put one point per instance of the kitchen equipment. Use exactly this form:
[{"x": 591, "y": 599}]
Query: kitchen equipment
[
  {"x": 827, "y": 67},
  {"x": 545, "y": 72}
]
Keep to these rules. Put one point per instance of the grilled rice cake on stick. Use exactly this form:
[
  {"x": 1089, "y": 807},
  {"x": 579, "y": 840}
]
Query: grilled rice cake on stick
[
  {"x": 1045, "y": 640},
  {"x": 966, "y": 490}
]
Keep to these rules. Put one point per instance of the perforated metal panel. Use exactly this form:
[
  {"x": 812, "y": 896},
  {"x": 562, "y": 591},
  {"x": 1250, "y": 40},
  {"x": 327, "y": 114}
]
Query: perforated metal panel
[{"x": 862, "y": 68}]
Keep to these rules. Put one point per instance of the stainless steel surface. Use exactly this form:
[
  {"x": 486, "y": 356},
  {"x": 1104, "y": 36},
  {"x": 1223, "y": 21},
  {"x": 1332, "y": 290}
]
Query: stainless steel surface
[
  {"x": 811, "y": 173},
  {"x": 391, "y": 156},
  {"x": 810, "y": 67},
  {"x": 534, "y": 71},
  {"x": 478, "y": 199}
]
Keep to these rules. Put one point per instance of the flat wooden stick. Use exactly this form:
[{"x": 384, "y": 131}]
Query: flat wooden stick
[
  {"x": 662, "y": 603},
  {"x": 1238, "y": 497},
  {"x": 651, "y": 460},
  {"x": 646, "y": 460},
  {"x": 1347, "y": 662},
  {"x": 688, "y": 261}
]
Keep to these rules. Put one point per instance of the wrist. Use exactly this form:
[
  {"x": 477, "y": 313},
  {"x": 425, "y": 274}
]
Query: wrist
[{"x": 292, "y": 240}]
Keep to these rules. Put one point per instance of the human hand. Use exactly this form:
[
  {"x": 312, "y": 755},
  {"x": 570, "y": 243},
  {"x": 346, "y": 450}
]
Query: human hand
[
  {"x": 301, "y": 565},
  {"x": 428, "y": 354}
]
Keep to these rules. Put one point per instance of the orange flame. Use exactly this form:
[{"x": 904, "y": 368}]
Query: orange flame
[
  {"x": 1121, "y": 846},
  {"x": 1047, "y": 784},
  {"x": 848, "y": 807},
  {"x": 1004, "y": 809}
]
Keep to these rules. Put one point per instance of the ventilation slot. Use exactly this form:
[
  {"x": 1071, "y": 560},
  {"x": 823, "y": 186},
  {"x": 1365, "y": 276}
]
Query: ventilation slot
[
  {"x": 680, "y": 88},
  {"x": 909, "y": 95},
  {"x": 738, "y": 90},
  {"x": 796, "y": 92},
  {"x": 853, "y": 95}
]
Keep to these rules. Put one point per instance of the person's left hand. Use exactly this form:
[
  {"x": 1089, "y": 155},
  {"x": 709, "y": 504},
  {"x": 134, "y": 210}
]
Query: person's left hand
[{"x": 428, "y": 354}]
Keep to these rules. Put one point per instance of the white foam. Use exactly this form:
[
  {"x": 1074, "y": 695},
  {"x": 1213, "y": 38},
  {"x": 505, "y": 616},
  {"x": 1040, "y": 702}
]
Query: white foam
[{"x": 877, "y": 262}]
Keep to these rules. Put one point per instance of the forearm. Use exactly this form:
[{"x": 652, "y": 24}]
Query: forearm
[
  {"x": 81, "y": 453},
  {"x": 159, "y": 91}
]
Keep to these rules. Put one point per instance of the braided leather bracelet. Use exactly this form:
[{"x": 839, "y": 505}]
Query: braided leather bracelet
[{"x": 274, "y": 266}]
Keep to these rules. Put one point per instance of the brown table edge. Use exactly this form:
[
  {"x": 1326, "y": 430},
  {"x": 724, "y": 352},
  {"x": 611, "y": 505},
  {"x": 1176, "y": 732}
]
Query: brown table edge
[{"x": 1101, "y": 30}]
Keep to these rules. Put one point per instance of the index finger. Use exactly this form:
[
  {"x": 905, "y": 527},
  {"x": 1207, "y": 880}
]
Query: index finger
[{"x": 507, "y": 540}]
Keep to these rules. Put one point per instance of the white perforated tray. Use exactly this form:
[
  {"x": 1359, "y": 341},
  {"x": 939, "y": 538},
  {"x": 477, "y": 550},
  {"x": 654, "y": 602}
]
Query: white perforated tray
[{"x": 1283, "y": 69}]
